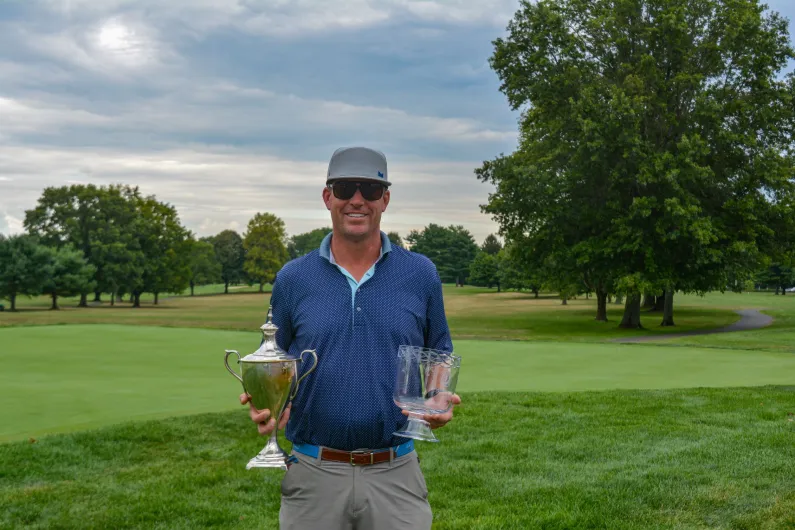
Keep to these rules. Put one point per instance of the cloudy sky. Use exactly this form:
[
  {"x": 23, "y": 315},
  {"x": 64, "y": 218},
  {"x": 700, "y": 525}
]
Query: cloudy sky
[{"x": 226, "y": 108}]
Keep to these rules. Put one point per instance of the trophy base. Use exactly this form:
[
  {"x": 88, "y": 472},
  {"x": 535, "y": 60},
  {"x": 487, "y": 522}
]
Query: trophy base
[
  {"x": 271, "y": 456},
  {"x": 417, "y": 429},
  {"x": 269, "y": 461}
]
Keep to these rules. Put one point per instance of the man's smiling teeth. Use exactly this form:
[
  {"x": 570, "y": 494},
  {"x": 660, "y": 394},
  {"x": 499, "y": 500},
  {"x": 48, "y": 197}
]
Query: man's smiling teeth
[{"x": 355, "y": 215}]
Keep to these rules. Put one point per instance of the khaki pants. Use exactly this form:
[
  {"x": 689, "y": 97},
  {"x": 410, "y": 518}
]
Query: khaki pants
[{"x": 337, "y": 496}]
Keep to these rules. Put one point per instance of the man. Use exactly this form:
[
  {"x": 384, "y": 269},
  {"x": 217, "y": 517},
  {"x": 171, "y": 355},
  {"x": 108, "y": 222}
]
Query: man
[{"x": 354, "y": 300}]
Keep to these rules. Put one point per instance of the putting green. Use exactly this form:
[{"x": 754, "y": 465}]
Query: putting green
[{"x": 66, "y": 378}]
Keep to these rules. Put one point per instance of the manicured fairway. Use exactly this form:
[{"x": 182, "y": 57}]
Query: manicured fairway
[{"x": 66, "y": 378}]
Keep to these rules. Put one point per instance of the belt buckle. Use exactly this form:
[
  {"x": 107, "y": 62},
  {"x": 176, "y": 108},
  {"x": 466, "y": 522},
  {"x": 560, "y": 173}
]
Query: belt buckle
[{"x": 358, "y": 452}]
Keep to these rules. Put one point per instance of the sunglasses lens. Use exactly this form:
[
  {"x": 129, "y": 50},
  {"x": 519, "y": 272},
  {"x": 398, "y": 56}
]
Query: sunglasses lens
[
  {"x": 344, "y": 190},
  {"x": 371, "y": 191}
]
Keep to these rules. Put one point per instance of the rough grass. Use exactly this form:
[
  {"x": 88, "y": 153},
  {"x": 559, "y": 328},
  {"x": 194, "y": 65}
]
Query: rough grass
[
  {"x": 698, "y": 458},
  {"x": 473, "y": 313}
]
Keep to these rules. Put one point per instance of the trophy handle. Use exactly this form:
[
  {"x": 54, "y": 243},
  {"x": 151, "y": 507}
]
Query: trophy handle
[
  {"x": 226, "y": 363},
  {"x": 298, "y": 382}
]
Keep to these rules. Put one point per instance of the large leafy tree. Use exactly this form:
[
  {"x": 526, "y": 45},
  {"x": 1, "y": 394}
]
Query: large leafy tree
[
  {"x": 491, "y": 245},
  {"x": 203, "y": 264},
  {"x": 656, "y": 140},
  {"x": 301, "y": 244},
  {"x": 165, "y": 246},
  {"x": 230, "y": 253},
  {"x": 70, "y": 274},
  {"x": 265, "y": 250},
  {"x": 99, "y": 222},
  {"x": 485, "y": 270},
  {"x": 452, "y": 249},
  {"x": 25, "y": 265}
]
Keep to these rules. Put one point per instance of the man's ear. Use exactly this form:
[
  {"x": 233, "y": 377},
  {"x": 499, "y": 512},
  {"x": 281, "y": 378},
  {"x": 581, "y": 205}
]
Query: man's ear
[
  {"x": 386, "y": 200},
  {"x": 327, "y": 198}
]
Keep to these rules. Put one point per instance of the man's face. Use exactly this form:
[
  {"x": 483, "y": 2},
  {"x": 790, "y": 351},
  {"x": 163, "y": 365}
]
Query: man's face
[{"x": 356, "y": 218}]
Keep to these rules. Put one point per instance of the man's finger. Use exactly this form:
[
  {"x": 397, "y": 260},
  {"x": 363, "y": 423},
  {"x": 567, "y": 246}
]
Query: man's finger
[
  {"x": 266, "y": 428},
  {"x": 244, "y": 398},
  {"x": 259, "y": 416}
]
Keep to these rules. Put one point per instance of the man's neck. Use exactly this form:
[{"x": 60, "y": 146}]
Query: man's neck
[{"x": 356, "y": 254}]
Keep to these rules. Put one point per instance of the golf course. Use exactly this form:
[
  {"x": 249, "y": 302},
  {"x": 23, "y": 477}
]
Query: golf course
[{"x": 116, "y": 417}]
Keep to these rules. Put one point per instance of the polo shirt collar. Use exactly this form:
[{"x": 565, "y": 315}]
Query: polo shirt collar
[{"x": 325, "y": 247}]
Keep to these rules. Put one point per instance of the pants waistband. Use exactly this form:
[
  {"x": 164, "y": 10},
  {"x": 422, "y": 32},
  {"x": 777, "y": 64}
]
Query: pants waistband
[{"x": 314, "y": 450}]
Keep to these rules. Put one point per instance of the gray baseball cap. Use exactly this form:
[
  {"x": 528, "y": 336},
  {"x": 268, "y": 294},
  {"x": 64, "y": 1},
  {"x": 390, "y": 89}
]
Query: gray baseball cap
[{"x": 358, "y": 163}]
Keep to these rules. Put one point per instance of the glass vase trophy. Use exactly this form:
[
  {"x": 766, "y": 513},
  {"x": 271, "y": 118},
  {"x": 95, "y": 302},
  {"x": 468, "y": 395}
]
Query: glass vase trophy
[
  {"x": 426, "y": 381},
  {"x": 270, "y": 377}
]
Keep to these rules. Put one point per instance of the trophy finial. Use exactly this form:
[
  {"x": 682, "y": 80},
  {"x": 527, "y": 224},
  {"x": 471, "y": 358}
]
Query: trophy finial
[{"x": 269, "y": 328}]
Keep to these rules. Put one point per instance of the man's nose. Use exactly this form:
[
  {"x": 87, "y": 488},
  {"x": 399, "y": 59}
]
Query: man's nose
[{"x": 357, "y": 198}]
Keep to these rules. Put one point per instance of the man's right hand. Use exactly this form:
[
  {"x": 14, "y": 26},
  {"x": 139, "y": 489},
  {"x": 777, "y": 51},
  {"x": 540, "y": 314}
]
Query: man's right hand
[{"x": 265, "y": 425}]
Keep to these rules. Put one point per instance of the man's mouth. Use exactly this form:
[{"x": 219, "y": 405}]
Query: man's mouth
[{"x": 355, "y": 215}]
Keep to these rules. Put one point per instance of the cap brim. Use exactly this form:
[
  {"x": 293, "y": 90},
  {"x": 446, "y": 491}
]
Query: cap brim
[{"x": 358, "y": 177}]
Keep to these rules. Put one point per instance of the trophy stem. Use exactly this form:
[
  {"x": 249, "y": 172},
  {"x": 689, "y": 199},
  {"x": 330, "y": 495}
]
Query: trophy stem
[
  {"x": 271, "y": 456},
  {"x": 418, "y": 429}
]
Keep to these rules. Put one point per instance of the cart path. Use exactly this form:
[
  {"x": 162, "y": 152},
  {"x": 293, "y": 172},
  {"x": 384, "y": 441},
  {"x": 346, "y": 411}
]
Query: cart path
[{"x": 751, "y": 319}]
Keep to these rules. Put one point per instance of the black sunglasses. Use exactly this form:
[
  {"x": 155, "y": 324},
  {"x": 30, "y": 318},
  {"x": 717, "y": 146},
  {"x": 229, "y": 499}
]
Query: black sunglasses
[{"x": 345, "y": 189}]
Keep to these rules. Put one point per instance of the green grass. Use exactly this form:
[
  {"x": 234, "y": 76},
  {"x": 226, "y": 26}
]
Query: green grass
[
  {"x": 67, "y": 378},
  {"x": 664, "y": 459}
]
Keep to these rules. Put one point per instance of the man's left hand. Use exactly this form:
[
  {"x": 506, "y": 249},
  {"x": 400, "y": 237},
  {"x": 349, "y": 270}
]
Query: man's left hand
[{"x": 440, "y": 420}]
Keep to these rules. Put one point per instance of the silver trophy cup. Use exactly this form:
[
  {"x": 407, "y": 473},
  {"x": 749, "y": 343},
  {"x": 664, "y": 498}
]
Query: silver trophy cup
[{"x": 270, "y": 377}]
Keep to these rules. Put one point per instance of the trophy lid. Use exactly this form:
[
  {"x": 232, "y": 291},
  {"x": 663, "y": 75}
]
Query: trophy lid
[{"x": 268, "y": 351}]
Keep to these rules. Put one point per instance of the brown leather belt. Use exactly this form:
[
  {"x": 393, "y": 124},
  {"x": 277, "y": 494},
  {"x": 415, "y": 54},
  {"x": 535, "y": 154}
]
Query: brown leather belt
[{"x": 356, "y": 458}]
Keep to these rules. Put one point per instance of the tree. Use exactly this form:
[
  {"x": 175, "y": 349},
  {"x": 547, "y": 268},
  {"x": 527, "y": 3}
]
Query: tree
[
  {"x": 452, "y": 249},
  {"x": 491, "y": 245},
  {"x": 266, "y": 253},
  {"x": 229, "y": 251},
  {"x": 518, "y": 272},
  {"x": 203, "y": 265},
  {"x": 655, "y": 140},
  {"x": 484, "y": 270},
  {"x": 165, "y": 246},
  {"x": 97, "y": 221},
  {"x": 25, "y": 265},
  {"x": 395, "y": 239},
  {"x": 70, "y": 274},
  {"x": 302, "y": 244}
]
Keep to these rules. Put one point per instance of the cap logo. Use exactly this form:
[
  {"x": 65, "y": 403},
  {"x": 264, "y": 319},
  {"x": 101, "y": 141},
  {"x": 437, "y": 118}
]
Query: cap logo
[{"x": 381, "y": 175}]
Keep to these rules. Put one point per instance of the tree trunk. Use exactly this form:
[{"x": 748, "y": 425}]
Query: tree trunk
[
  {"x": 136, "y": 299},
  {"x": 97, "y": 296},
  {"x": 119, "y": 297},
  {"x": 191, "y": 287},
  {"x": 83, "y": 300},
  {"x": 226, "y": 287},
  {"x": 113, "y": 298},
  {"x": 565, "y": 301},
  {"x": 659, "y": 303},
  {"x": 668, "y": 313},
  {"x": 157, "y": 295},
  {"x": 13, "y": 298},
  {"x": 619, "y": 299},
  {"x": 498, "y": 287},
  {"x": 535, "y": 292},
  {"x": 631, "y": 318},
  {"x": 260, "y": 287},
  {"x": 609, "y": 299},
  {"x": 648, "y": 301},
  {"x": 777, "y": 289},
  {"x": 54, "y": 302},
  {"x": 601, "y": 306},
  {"x": 783, "y": 291}
]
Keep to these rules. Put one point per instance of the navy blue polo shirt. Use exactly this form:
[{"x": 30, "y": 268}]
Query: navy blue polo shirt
[{"x": 347, "y": 402}]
